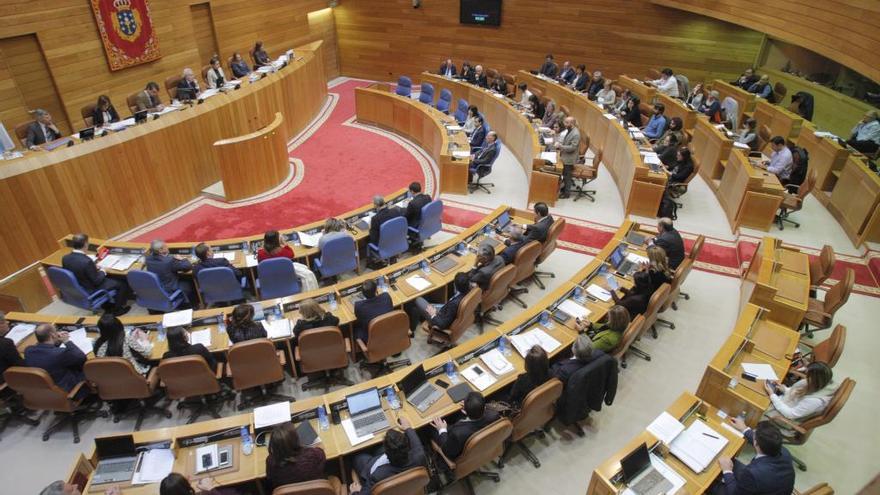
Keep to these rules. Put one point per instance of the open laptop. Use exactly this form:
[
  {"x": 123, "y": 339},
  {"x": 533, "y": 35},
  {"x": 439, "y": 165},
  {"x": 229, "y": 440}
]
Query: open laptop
[
  {"x": 634, "y": 238},
  {"x": 640, "y": 476},
  {"x": 419, "y": 392},
  {"x": 365, "y": 409},
  {"x": 503, "y": 223},
  {"x": 620, "y": 263},
  {"x": 117, "y": 459}
]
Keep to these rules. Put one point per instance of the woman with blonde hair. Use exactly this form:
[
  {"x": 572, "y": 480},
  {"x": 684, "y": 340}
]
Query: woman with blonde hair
[
  {"x": 808, "y": 397},
  {"x": 658, "y": 267},
  {"x": 312, "y": 315},
  {"x": 607, "y": 335}
]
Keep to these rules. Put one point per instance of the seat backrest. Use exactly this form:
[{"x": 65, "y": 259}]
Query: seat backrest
[
  {"x": 461, "y": 110},
  {"x": 219, "y": 284},
  {"x": 426, "y": 94},
  {"x": 696, "y": 248},
  {"x": 482, "y": 447},
  {"x": 71, "y": 291},
  {"x": 313, "y": 487},
  {"x": 764, "y": 135},
  {"x": 116, "y": 379},
  {"x": 839, "y": 293},
  {"x": 632, "y": 332},
  {"x": 387, "y": 335},
  {"x": 147, "y": 288},
  {"x": 731, "y": 110},
  {"x": 187, "y": 376},
  {"x": 410, "y": 482},
  {"x": 21, "y": 131},
  {"x": 432, "y": 219},
  {"x": 404, "y": 86},
  {"x": 779, "y": 92},
  {"x": 807, "y": 186},
  {"x": 171, "y": 83},
  {"x": 552, "y": 237},
  {"x": 254, "y": 363},
  {"x": 829, "y": 350},
  {"x": 499, "y": 286},
  {"x": 841, "y": 395},
  {"x": 822, "y": 267},
  {"x": 131, "y": 101},
  {"x": 322, "y": 349},
  {"x": 445, "y": 100},
  {"x": 37, "y": 389},
  {"x": 652, "y": 74},
  {"x": 87, "y": 113},
  {"x": 658, "y": 299},
  {"x": 525, "y": 260},
  {"x": 339, "y": 255},
  {"x": 538, "y": 409},
  {"x": 678, "y": 278},
  {"x": 205, "y": 69},
  {"x": 584, "y": 145},
  {"x": 466, "y": 315},
  {"x": 277, "y": 278},
  {"x": 392, "y": 237}
]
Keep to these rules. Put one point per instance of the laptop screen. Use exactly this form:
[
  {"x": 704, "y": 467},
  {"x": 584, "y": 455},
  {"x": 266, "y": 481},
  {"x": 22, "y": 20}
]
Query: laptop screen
[
  {"x": 120, "y": 446},
  {"x": 503, "y": 220},
  {"x": 413, "y": 380},
  {"x": 635, "y": 462},
  {"x": 618, "y": 256},
  {"x": 363, "y": 401}
]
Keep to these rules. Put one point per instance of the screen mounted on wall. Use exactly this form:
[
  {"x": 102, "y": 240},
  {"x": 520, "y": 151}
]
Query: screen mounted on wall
[{"x": 481, "y": 12}]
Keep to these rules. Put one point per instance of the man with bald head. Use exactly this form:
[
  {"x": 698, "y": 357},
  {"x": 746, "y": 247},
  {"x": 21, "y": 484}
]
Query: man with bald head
[
  {"x": 384, "y": 212},
  {"x": 64, "y": 364},
  {"x": 168, "y": 269},
  {"x": 568, "y": 148},
  {"x": 91, "y": 278}
]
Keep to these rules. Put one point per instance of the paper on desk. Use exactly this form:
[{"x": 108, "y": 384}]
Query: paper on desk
[
  {"x": 454, "y": 128},
  {"x": 461, "y": 154},
  {"x": 696, "y": 449},
  {"x": 599, "y": 293},
  {"x": 638, "y": 135},
  {"x": 636, "y": 258},
  {"x": 525, "y": 341},
  {"x": 823, "y": 134},
  {"x": 233, "y": 83},
  {"x": 548, "y": 141},
  {"x": 670, "y": 474},
  {"x": 760, "y": 371},
  {"x": 277, "y": 329},
  {"x": 251, "y": 260},
  {"x": 350, "y": 432},
  {"x": 550, "y": 156},
  {"x": 122, "y": 124},
  {"x": 574, "y": 309},
  {"x": 154, "y": 466},
  {"x": 309, "y": 240},
  {"x": 737, "y": 144},
  {"x": 201, "y": 337},
  {"x": 209, "y": 451},
  {"x": 496, "y": 362},
  {"x": 78, "y": 338},
  {"x": 478, "y": 377},
  {"x": 229, "y": 255},
  {"x": 498, "y": 95},
  {"x": 177, "y": 318},
  {"x": 272, "y": 414},
  {"x": 418, "y": 283},
  {"x": 665, "y": 427},
  {"x": 121, "y": 262},
  {"x": 652, "y": 159},
  {"x": 204, "y": 95},
  {"x": 731, "y": 429},
  {"x": 20, "y": 332},
  {"x": 609, "y": 116}
]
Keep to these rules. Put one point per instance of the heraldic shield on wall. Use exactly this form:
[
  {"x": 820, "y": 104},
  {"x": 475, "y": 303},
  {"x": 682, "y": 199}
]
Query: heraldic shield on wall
[{"x": 126, "y": 31}]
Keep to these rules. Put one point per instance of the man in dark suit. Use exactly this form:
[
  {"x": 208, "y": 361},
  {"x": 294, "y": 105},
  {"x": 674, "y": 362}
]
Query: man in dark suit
[
  {"x": 188, "y": 87},
  {"x": 148, "y": 99},
  {"x": 769, "y": 473},
  {"x": 549, "y": 67},
  {"x": 207, "y": 260},
  {"x": 480, "y": 78},
  {"x": 383, "y": 214},
  {"x": 418, "y": 201},
  {"x": 479, "y": 134},
  {"x": 453, "y": 438},
  {"x": 581, "y": 355},
  {"x": 42, "y": 130},
  {"x": 90, "y": 278},
  {"x": 64, "y": 364},
  {"x": 514, "y": 244},
  {"x": 596, "y": 84},
  {"x": 438, "y": 315},
  {"x": 538, "y": 231},
  {"x": 670, "y": 240},
  {"x": 447, "y": 68},
  {"x": 9, "y": 355},
  {"x": 168, "y": 269},
  {"x": 401, "y": 450},
  {"x": 372, "y": 306},
  {"x": 581, "y": 78},
  {"x": 566, "y": 75},
  {"x": 485, "y": 155}
]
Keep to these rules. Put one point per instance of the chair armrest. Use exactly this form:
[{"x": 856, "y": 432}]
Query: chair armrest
[
  {"x": 797, "y": 373},
  {"x": 347, "y": 345},
  {"x": 219, "y": 372},
  {"x": 440, "y": 454},
  {"x": 282, "y": 359},
  {"x": 413, "y": 229},
  {"x": 361, "y": 346},
  {"x": 153, "y": 378},
  {"x": 75, "y": 390},
  {"x": 783, "y": 421},
  {"x": 296, "y": 354}
]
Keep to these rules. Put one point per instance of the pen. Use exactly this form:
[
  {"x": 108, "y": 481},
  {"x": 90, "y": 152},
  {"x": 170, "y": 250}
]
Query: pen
[{"x": 712, "y": 436}]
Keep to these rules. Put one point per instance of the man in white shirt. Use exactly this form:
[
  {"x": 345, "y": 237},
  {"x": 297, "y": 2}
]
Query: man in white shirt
[
  {"x": 525, "y": 94},
  {"x": 667, "y": 84}
]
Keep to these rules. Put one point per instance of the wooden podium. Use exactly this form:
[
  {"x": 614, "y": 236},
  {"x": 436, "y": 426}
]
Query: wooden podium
[{"x": 253, "y": 163}]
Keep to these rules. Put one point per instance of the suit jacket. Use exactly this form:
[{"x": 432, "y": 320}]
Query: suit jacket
[
  {"x": 570, "y": 147},
  {"x": 145, "y": 101},
  {"x": 368, "y": 479},
  {"x": 381, "y": 217},
  {"x": 481, "y": 80},
  {"x": 192, "y": 86},
  {"x": 36, "y": 136},
  {"x": 581, "y": 82},
  {"x": 467, "y": 74},
  {"x": 307, "y": 466},
  {"x": 671, "y": 242},
  {"x": 447, "y": 313},
  {"x": 595, "y": 86},
  {"x": 167, "y": 268},
  {"x": 193, "y": 350},
  {"x": 549, "y": 69},
  {"x": 509, "y": 253},
  {"x": 85, "y": 270},
  {"x": 681, "y": 171},
  {"x": 538, "y": 231},
  {"x": 9, "y": 356},
  {"x": 567, "y": 76},
  {"x": 366, "y": 310},
  {"x": 500, "y": 85},
  {"x": 588, "y": 384},
  {"x": 478, "y": 136},
  {"x": 442, "y": 70},
  {"x": 215, "y": 263},
  {"x": 98, "y": 116},
  {"x": 414, "y": 209},
  {"x": 485, "y": 156},
  {"x": 765, "y": 475},
  {"x": 64, "y": 364},
  {"x": 452, "y": 442},
  {"x": 240, "y": 68},
  {"x": 482, "y": 275}
]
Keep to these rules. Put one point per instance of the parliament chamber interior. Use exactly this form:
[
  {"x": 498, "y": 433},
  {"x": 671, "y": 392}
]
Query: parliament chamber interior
[{"x": 397, "y": 247}]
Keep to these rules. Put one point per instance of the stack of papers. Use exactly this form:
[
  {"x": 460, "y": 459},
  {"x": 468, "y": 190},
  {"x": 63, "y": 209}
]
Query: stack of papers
[
  {"x": 79, "y": 338},
  {"x": 609, "y": 116},
  {"x": 550, "y": 156},
  {"x": 200, "y": 337},
  {"x": 177, "y": 318},
  {"x": 278, "y": 328},
  {"x": 697, "y": 446},
  {"x": 496, "y": 362},
  {"x": 760, "y": 371},
  {"x": 478, "y": 377},
  {"x": 638, "y": 135},
  {"x": 652, "y": 159},
  {"x": 155, "y": 465},
  {"x": 737, "y": 144},
  {"x": 309, "y": 240},
  {"x": 121, "y": 262},
  {"x": 204, "y": 95},
  {"x": 232, "y": 84},
  {"x": 665, "y": 428},
  {"x": 598, "y": 292},
  {"x": 20, "y": 332},
  {"x": 418, "y": 283},
  {"x": 272, "y": 414},
  {"x": 454, "y": 128},
  {"x": 351, "y": 433},
  {"x": 461, "y": 154},
  {"x": 574, "y": 309},
  {"x": 637, "y": 258},
  {"x": 525, "y": 341}
]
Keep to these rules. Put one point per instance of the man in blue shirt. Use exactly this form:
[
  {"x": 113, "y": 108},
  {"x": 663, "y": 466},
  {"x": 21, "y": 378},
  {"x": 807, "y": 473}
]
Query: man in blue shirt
[
  {"x": 762, "y": 88},
  {"x": 781, "y": 161},
  {"x": 657, "y": 125}
]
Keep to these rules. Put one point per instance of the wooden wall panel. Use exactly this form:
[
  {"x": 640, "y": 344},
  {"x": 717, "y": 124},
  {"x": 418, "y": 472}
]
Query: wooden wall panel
[
  {"x": 382, "y": 39},
  {"x": 26, "y": 83},
  {"x": 203, "y": 32},
  {"x": 842, "y": 30}
]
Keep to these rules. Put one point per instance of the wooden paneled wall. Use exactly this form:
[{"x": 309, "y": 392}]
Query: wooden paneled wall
[
  {"x": 23, "y": 83},
  {"x": 382, "y": 39},
  {"x": 842, "y": 30},
  {"x": 65, "y": 31}
]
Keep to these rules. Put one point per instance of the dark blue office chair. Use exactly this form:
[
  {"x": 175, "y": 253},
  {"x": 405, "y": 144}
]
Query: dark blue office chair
[
  {"x": 461, "y": 111},
  {"x": 426, "y": 95},
  {"x": 404, "y": 86},
  {"x": 150, "y": 294},
  {"x": 430, "y": 223},
  {"x": 277, "y": 278},
  {"x": 445, "y": 101},
  {"x": 219, "y": 285},
  {"x": 392, "y": 239},
  {"x": 338, "y": 256},
  {"x": 74, "y": 294},
  {"x": 484, "y": 170}
]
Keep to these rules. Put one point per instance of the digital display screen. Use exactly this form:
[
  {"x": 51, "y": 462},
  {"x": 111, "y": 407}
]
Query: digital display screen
[{"x": 481, "y": 12}]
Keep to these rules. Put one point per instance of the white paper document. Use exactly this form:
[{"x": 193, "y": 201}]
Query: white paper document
[
  {"x": 550, "y": 156},
  {"x": 418, "y": 283},
  {"x": 739, "y": 145},
  {"x": 201, "y": 337},
  {"x": 609, "y": 116},
  {"x": 670, "y": 474},
  {"x": 228, "y": 255},
  {"x": 272, "y": 414},
  {"x": 731, "y": 429},
  {"x": 122, "y": 124},
  {"x": 204, "y": 95},
  {"x": 454, "y": 128},
  {"x": 574, "y": 309},
  {"x": 461, "y": 154},
  {"x": 478, "y": 377},
  {"x": 497, "y": 363},
  {"x": 697, "y": 446},
  {"x": 277, "y": 329},
  {"x": 637, "y": 258},
  {"x": 761, "y": 371},
  {"x": 177, "y": 318},
  {"x": 20, "y": 332},
  {"x": 251, "y": 261},
  {"x": 598, "y": 292},
  {"x": 665, "y": 427},
  {"x": 79, "y": 338},
  {"x": 207, "y": 453},
  {"x": 352, "y": 435},
  {"x": 155, "y": 465},
  {"x": 638, "y": 135},
  {"x": 121, "y": 262},
  {"x": 652, "y": 159},
  {"x": 309, "y": 240},
  {"x": 525, "y": 341}
]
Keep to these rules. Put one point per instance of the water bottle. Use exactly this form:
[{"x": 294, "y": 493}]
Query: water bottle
[
  {"x": 322, "y": 419},
  {"x": 503, "y": 347},
  {"x": 486, "y": 230},
  {"x": 391, "y": 397},
  {"x": 295, "y": 238},
  {"x": 450, "y": 372},
  {"x": 161, "y": 336},
  {"x": 381, "y": 283},
  {"x": 426, "y": 268},
  {"x": 247, "y": 443},
  {"x": 221, "y": 325},
  {"x": 279, "y": 312},
  {"x": 247, "y": 249},
  {"x": 545, "y": 321},
  {"x": 462, "y": 248},
  {"x": 331, "y": 301},
  {"x": 579, "y": 294}
]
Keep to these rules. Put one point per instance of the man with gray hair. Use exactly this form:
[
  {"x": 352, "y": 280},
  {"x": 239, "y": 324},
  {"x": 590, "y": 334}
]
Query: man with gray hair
[
  {"x": 486, "y": 265},
  {"x": 483, "y": 159},
  {"x": 384, "y": 213},
  {"x": 42, "y": 130},
  {"x": 64, "y": 364},
  {"x": 188, "y": 87},
  {"x": 581, "y": 354},
  {"x": 514, "y": 243},
  {"x": 568, "y": 147},
  {"x": 168, "y": 269},
  {"x": 670, "y": 240},
  {"x": 61, "y": 488}
]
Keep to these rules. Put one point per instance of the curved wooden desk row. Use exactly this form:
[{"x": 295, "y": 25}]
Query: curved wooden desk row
[
  {"x": 640, "y": 189},
  {"x": 111, "y": 184},
  {"x": 759, "y": 336}
]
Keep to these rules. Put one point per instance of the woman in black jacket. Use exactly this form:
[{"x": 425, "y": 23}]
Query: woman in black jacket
[
  {"x": 242, "y": 326},
  {"x": 537, "y": 373},
  {"x": 313, "y": 316},
  {"x": 635, "y": 300},
  {"x": 633, "y": 114},
  {"x": 682, "y": 167},
  {"x": 104, "y": 112},
  {"x": 178, "y": 345}
]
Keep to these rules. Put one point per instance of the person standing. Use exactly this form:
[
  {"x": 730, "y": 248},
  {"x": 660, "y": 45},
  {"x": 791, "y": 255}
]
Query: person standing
[{"x": 568, "y": 147}]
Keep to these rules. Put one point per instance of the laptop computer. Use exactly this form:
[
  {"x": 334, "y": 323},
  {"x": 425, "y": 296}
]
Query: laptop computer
[
  {"x": 445, "y": 264},
  {"x": 117, "y": 459},
  {"x": 634, "y": 238},
  {"x": 620, "y": 263},
  {"x": 365, "y": 409},
  {"x": 640, "y": 476},
  {"x": 419, "y": 392},
  {"x": 503, "y": 223}
]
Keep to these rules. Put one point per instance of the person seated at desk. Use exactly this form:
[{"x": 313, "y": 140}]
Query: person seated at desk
[
  {"x": 581, "y": 79},
  {"x": 670, "y": 240},
  {"x": 866, "y": 134},
  {"x": 384, "y": 212},
  {"x": 606, "y": 95},
  {"x": 536, "y": 108},
  {"x": 551, "y": 114},
  {"x": 582, "y": 354},
  {"x": 806, "y": 398},
  {"x": 291, "y": 462},
  {"x": 657, "y": 267},
  {"x": 452, "y": 438},
  {"x": 188, "y": 87},
  {"x": 480, "y": 77},
  {"x": 177, "y": 484},
  {"x": 148, "y": 99},
  {"x": 499, "y": 85},
  {"x": 513, "y": 244},
  {"x": 552, "y": 135},
  {"x": 635, "y": 299},
  {"x": 261, "y": 58},
  {"x": 447, "y": 68},
  {"x": 179, "y": 346},
  {"x": 239, "y": 66},
  {"x": 543, "y": 221},
  {"x": 667, "y": 84},
  {"x": 168, "y": 269},
  {"x": 467, "y": 72},
  {"x": 781, "y": 162},
  {"x": 42, "y": 130},
  {"x": 114, "y": 341},
  {"x": 207, "y": 260},
  {"x": 711, "y": 107},
  {"x": 274, "y": 247},
  {"x": 241, "y": 325},
  {"x": 418, "y": 201},
  {"x": 470, "y": 122},
  {"x": 696, "y": 96},
  {"x": 334, "y": 228},
  {"x": 673, "y": 129},
  {"x": 746, "y": 79},
  {"x": 216, "y": 77},
  {"x": 607, "y": 335},
  {"x": 682, "y": 167},
  {"x": 770, "y": 472},
  {"x": 566, "y": 75},
  {"x": 537, "y": 373},
  {"x": 484, "y": 156},
  {"x": 596, "y": 85},
  {"x": 90, "y": 278},
  {"x": 312, "y": 315},
  {"x": 438, "y": 315},
  {"x": 657, "y": 124},
  {"x": 621, "y": 106},
  {"x": 762, "y": 88},
  {"x": 525, "y": 95},
  {"x": 9, "y": 355},
  {"x": 105, "y": 112},
  {"x": 667, "y": 149},
  {"x": 633, "y": 114},
  {"x": 63, "y": 364},
  {"x": 549, "y": 67},
  {"x": 372, "y": 306},
  {"x": 748, "y": 134},
  {"x": 479, "y": 134},
  {"x": 400, "y": 451},
  {"x": 486, "y": 264}
]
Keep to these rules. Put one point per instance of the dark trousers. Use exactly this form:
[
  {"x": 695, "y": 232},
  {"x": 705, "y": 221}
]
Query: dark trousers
[
  {"x": 417, "y": 311},
  {"x": 867, "y": 147},
  {"x": 123, "y": 291},
  {"x": 566, "y": 178},
  {"x": 189, "y": 291}
]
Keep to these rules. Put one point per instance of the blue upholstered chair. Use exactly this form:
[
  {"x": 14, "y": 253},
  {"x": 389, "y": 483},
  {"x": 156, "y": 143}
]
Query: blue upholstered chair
[
  {"x": 461, "y": 110},
  {"x": 392, "y": 239},
  {"x": 338, "y": 256},
  {"x": 219, "y": 285},
  {"x": 444, "y": 101},
  {"x": 150, "y": 294},
  {"x": 277, "y": 278},
  {"x": 431, "y": 221},
  {"x": 485, "y": 170},
  {"x": 426, "y": 95},
  {"x": 73, "y": 293},
  {"x": 404, "y": 86}
]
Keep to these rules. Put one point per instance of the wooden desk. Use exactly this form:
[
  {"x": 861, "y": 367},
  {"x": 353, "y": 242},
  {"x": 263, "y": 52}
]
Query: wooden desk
[
  {"x": 780, "y": 121},
  {"x": 710, "y": 148},
  {"x": 855, "y": 200},
  {"x": 745, "y": 100},
  {"x": 749, "y": 196},
  {"x": 778, "y": 279},
  {"x": 676, "y": 108},
  {"x": 645, "y": 93},
  {"x": 253, "y": 163},
  {"x": 827, "y": 159}
]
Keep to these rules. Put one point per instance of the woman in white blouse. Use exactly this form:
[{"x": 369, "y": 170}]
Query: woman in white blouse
[
  {"x": 216, "y": 77},
  {"x": 806, "y": 398},
  {"x": 606, "y": 95},
  {"x": 114, "y": 342},
  {"x": 471, "y": 123}
]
